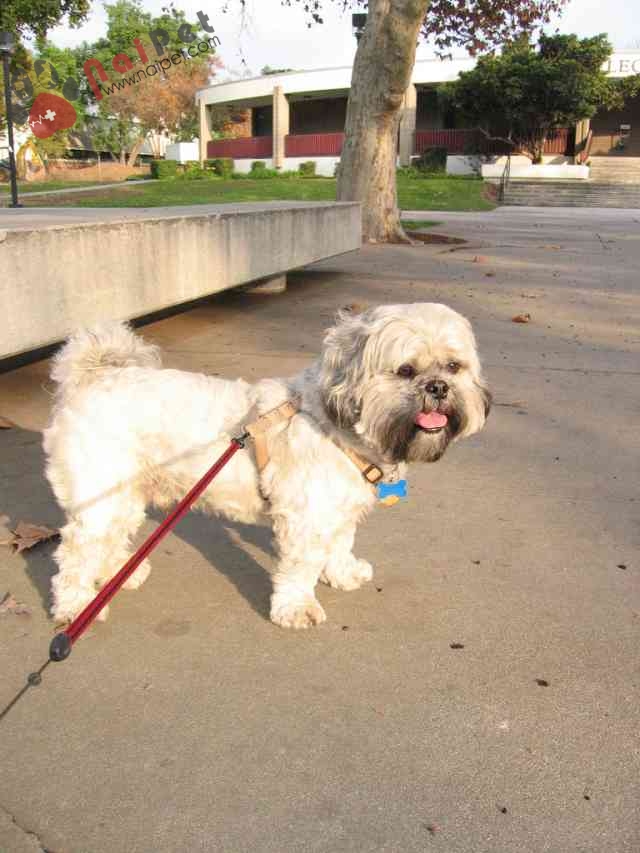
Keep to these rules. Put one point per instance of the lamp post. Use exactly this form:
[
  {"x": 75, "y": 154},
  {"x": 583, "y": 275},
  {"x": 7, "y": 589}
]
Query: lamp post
[
  {"x": 6, "y": 49},
  {"x": 358, "y": 22}
]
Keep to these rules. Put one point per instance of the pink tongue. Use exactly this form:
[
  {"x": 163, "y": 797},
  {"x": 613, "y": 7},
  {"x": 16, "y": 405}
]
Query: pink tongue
[{"x": 433, "y": 420}]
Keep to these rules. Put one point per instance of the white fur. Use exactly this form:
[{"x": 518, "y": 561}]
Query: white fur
[{"x": 126, "y": 434}]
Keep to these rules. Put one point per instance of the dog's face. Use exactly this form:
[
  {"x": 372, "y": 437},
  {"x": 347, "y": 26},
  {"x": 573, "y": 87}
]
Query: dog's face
[{"x": 405, "y": 378}]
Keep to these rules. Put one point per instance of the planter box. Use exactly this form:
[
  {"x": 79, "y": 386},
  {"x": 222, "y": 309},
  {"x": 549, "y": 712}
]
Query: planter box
[{"x": 544, "y": 171}]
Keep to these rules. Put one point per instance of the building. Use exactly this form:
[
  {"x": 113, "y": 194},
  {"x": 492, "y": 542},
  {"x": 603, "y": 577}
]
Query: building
[{"x": 294, "y": 116}]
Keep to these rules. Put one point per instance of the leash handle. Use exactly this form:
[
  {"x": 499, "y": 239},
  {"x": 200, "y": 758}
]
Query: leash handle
[{"x": 62, "y": 643}]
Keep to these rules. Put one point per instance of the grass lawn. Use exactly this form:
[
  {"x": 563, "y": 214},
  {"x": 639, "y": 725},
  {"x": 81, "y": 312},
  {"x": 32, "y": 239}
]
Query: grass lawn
[
  {"x": 48, "y": 186},
  {"x": 419, "y": 224},
  {"x": 437, "y": 193}
]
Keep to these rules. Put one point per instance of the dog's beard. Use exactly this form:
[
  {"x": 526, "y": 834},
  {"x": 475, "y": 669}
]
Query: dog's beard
[{"x": 390, "y": 426}]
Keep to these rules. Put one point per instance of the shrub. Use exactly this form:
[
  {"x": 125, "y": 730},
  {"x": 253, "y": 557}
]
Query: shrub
[
  {"x": 164, "y": 168},
  {"x": 409, "y": 172},
  {"x": 192, "y": 169},
  {"x": 222, "y": 166},
  {"x": 259, "y": 170},
  {"x": 431, "y": 160},
  {"x": 308, "y": 169}
]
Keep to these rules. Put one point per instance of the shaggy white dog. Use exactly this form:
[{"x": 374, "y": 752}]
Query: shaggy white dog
[{"x": 394, "y": 385}]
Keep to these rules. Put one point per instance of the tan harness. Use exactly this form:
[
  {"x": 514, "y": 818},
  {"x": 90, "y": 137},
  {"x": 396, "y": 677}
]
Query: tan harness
[{"x": 284, "y": 412}]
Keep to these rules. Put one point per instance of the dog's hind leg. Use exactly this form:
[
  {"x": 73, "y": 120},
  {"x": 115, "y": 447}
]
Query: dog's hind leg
[{"x": 95, "y": 544}]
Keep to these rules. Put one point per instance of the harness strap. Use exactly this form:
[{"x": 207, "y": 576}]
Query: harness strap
[
  {"x": 284, "y": 412},
  {"x": 258, "y": 429}
]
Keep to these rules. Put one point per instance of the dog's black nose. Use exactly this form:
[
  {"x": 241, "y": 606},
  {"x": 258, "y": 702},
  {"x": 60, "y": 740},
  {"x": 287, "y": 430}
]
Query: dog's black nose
[{"x": 438, "y": 388}]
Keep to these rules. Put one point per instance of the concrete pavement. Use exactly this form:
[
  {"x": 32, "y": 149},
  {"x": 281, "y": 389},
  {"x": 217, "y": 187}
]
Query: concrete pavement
[{"x": 188, "y": 722}]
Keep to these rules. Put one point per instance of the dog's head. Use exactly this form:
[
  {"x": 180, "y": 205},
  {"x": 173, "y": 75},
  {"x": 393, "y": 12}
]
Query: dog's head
[{"x": 405, "y": 378}]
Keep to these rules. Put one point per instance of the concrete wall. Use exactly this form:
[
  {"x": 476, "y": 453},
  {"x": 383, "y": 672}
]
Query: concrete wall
[
  {"x": 543, "y": 171},
  {"x": 325, "y": 166},
  {"x": 474, "y": 164},
  {"x": 64, "y": 269},
  {"x": 182, "y": 151}
]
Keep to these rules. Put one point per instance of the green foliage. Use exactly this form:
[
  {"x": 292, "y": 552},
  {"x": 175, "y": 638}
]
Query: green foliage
[
  {"x": 115, "y": 135},
  {"x": 52, "y": 148},
  {"x": 432, "y": 160},
  {"x": 307, "y": 169},
  {"x": 409, "y": 172},
  {"x": 524, "y": 94},
  {"x": 35, "y": 17},
  {"x": 164, "y": 168},
  {"x": 259, "y": 170},
  {"x": 222, "y": 166},
  {"x": 192, "y": 169}
]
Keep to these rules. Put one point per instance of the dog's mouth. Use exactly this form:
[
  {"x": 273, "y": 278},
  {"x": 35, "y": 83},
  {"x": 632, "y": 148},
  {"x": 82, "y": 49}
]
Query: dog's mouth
[{"x": 431, "y": 421}]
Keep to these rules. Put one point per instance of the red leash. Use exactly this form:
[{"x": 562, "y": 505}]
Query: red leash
[{"x": 61, "y": 644}]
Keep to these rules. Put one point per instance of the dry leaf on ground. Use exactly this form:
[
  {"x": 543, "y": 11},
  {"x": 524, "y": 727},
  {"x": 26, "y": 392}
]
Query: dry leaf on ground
[
  {"x": 521, "y": 318},
  {"x": 10, "y": 605},
  {"x": 26, "y": 536}
]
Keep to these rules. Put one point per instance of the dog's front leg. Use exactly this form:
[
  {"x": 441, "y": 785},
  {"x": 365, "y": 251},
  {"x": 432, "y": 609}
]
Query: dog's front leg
[
  {"x": 303, "y": 555},
  {"x": 342, "y": 570}
]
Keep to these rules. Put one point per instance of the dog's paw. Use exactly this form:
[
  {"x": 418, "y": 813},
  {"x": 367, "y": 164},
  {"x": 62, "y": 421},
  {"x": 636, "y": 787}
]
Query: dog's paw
[
  {"x": 347, "y": 573},
  {"x": 139, "y": 576},
  {"x": 300, "y": 612},
  {"x": 66, "y": 608}
]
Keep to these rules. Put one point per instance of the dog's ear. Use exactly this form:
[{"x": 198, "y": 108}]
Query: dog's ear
[
  {"x": 487, "y": 398},
  {"x": 341, "y": 367}
]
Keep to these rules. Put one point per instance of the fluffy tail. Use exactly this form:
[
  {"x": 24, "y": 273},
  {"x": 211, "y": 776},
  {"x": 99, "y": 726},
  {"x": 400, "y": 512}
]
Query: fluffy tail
[{"x": 90, "y": 351}]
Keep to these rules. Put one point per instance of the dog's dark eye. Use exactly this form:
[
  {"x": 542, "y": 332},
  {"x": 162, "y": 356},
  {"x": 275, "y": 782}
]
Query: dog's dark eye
[
  {"x": 453, "y": 366},
  {"x": 408, "y": 371}
]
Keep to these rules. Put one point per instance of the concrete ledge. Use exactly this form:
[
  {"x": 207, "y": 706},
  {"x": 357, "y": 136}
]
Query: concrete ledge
[
  {"x": 64, "y": 268},
  {"x": 542, "y": 172}
]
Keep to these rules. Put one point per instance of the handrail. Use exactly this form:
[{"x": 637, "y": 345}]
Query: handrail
[{"x": 504, "y": 180}]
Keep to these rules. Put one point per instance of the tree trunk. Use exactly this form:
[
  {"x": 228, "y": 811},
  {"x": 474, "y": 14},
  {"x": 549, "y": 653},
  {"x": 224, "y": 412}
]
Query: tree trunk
[
  {"x": 135, "y": 150},
  {"x": 381, "y": 74}
]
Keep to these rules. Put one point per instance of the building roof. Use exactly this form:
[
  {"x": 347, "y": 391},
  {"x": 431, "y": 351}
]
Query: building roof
[{"x": 317, "y": 82}]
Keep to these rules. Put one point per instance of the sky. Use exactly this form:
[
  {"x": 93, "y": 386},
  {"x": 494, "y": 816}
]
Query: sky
[{"x": 277, "y": 36}]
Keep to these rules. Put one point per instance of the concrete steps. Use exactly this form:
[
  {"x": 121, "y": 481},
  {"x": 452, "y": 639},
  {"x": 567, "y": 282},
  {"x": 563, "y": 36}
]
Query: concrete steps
[
  {"x": 615, "y": 170},
  {"x": 571, "y": 194}
]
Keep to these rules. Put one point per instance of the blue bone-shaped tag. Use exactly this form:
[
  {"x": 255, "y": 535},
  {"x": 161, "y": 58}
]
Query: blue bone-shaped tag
[{"x": 390, "y": 493}]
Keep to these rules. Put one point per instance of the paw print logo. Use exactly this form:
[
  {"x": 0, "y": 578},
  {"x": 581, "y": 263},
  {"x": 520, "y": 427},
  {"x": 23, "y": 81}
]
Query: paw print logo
[{"x": 50, "y": 113}]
